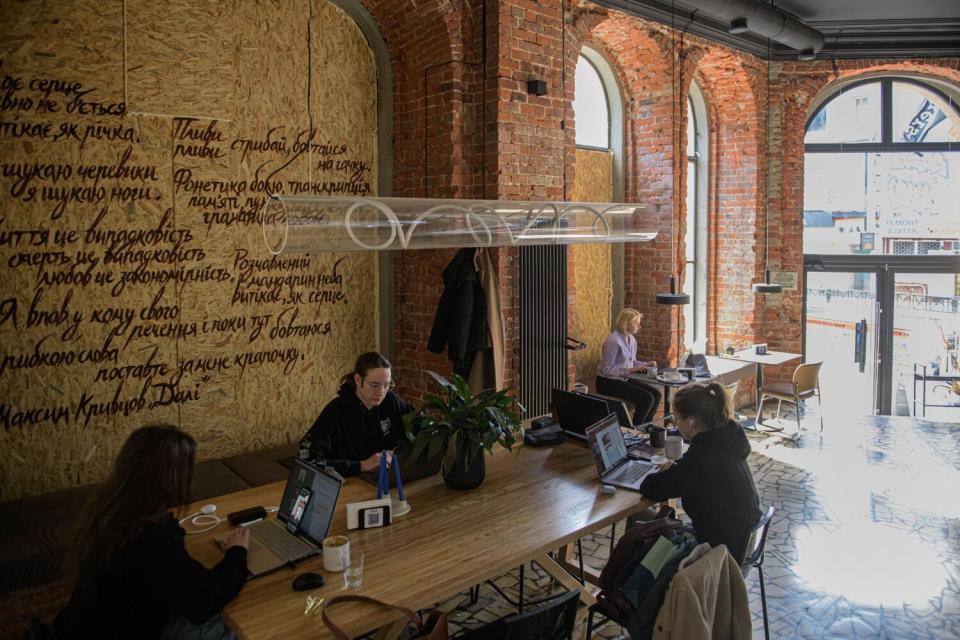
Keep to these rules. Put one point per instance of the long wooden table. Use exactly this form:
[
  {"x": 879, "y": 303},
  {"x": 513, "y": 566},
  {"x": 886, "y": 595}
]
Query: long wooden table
[{"x": 533, "y": 501}]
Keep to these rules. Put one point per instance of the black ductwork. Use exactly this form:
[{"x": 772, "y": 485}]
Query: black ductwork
[{"x": 765, "y": 21}]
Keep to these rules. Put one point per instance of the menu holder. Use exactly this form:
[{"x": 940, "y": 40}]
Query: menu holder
[{"x": 399, "y": 505}]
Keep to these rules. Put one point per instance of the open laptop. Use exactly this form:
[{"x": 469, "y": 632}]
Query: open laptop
[
  {"x": 410, "y": 470},
  {"x": 577, "y": 411},
  {"x": 302, "y": 522},
  {"x": 614, "y": 465}
]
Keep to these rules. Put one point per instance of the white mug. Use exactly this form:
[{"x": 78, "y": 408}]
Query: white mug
[
  {"x": 336, "y": 553},
  {"x": 673, "y": 447}
]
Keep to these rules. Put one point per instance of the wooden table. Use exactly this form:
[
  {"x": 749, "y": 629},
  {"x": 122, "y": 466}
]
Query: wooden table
[
  {"x": 769, "y": 358},
  {"x": 533, "y": 501}
]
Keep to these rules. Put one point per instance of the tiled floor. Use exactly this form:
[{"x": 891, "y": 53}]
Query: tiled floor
[{"x": 865, "y": 541}]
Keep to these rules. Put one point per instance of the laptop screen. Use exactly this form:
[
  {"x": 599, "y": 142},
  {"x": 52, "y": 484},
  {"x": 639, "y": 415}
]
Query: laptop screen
[
  {"x": 310, "y": 496},
  {"x": 607, "y": 443},
  {"x": 576, "y": 411}
]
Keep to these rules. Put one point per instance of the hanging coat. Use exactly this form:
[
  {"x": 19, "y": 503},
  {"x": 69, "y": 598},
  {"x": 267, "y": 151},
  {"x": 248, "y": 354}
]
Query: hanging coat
[{"x": 461, "y": 320}]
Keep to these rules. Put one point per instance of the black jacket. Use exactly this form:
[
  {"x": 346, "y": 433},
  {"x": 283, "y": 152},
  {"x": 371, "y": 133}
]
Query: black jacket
[
  {"x": 155, "y": 577},
  {"x": 346, "y": 432},
  {"x": 461, "y": 320},
  {"x": 716, "y": 486}
]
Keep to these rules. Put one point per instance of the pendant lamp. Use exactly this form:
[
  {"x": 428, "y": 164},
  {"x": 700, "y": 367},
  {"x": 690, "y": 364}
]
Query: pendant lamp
[
  {"x": 766, "y": 286},
  {"x": 672, "y": 297}
]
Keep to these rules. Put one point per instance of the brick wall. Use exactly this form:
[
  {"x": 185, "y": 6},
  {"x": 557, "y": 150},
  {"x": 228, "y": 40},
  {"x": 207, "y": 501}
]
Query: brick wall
[{"x": 465, "y": 127}]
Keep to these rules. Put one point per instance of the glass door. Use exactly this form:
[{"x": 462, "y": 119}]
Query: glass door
[
  {"x": 926, "y": 346},
  {"x": 841, "y": 332}
]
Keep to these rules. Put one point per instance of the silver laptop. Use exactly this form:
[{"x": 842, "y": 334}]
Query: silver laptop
[
  {"x": 614, "y": 465},
  {"x": 302, "y": 522}
]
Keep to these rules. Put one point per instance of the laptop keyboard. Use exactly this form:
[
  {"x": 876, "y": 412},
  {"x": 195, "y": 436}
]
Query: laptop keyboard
[
  {"x": 632, "y": 472},
  {"x": 275, "y": 537}
]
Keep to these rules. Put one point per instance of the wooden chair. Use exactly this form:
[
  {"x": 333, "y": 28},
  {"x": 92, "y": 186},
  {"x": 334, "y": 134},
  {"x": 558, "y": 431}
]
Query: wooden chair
[
  {"x": 754, "y": 559},
  {"x": 551, "y": 619},
  {"x": 805, "y": 385}
]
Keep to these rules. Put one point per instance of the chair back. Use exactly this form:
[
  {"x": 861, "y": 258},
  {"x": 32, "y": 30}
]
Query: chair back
[
  {"x": 758, "y": 539},
  {"x": 552, "y": 619},
  {"x": 805, "y": 377}
]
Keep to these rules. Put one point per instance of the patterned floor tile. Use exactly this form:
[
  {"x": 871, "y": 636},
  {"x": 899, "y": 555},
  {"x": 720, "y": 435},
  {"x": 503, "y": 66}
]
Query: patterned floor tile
[{"x": 865, "y": 541}]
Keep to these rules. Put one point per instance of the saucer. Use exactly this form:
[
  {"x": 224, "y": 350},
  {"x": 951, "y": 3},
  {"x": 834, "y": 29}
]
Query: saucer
[{"x": 663, "y": 378}]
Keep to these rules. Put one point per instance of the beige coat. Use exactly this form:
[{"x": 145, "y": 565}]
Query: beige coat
[{"x": 707, "y": 599}]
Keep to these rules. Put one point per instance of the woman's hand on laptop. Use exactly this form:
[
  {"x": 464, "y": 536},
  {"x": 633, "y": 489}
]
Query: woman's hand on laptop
[
  {"x": 663, "y": 466},
  {"x": 239, "y": 537}
]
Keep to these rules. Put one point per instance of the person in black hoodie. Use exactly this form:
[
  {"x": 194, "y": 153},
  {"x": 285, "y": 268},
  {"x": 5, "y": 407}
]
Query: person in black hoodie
[
  {"x": 364, "y": 419},
  {"x": 712, "y": 478},
  {"x": 134, "y": 577}
]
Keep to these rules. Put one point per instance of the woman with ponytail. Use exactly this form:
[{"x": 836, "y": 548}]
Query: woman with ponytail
[{"x": 712, "y": 478}]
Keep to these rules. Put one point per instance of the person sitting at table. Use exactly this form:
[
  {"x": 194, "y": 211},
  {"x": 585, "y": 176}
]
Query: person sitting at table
[
  {"x": 364, "y": 419},
  {"x": 134, "y": 577},
  {"x": 712, "y": 478},
  {"x": 618, "y": 357}
]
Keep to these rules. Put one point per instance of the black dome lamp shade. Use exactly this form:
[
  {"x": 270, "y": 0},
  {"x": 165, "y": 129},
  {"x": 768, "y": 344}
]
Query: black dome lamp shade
[
  {"x": 766, "y": 286},
  {"x": 672, "y": 297}
]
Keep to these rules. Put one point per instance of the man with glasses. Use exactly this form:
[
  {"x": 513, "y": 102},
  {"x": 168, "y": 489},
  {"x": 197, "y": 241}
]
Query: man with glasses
[{"x": 364, "y": 419}]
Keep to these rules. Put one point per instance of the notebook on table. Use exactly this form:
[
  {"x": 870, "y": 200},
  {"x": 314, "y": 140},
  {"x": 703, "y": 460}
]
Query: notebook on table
[
  {"x": 303, "y": 520},
  {"x": 614, "y": 465}
]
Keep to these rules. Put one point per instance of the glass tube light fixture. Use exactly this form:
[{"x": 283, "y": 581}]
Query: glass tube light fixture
[{"x": 305, "y": 224}]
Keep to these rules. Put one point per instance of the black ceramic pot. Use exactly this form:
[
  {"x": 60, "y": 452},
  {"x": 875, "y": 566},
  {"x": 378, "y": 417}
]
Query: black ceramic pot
[{"x": 465, "y": 474}]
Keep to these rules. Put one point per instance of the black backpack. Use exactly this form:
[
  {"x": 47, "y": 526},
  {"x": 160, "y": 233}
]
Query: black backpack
[{"x": 627, "y": 555}]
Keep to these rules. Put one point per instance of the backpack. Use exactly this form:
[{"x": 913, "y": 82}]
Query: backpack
[{"x": 627, "y": 555}]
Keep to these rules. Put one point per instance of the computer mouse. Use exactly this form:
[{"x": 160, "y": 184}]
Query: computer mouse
[{"x": 307, "y": 581}]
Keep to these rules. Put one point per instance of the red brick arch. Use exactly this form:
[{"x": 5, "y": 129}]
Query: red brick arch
[{"x": 733, "y": 86}]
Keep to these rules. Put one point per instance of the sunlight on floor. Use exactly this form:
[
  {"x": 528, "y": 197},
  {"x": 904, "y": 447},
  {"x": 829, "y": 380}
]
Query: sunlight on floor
[{"x": 869, "y": 563}]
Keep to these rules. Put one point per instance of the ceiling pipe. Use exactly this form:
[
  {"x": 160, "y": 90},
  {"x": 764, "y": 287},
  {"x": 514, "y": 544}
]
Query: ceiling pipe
[{"x": 765, "y": 21}]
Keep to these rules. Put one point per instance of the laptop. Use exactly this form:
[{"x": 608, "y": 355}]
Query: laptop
[
  {"x": 303, "y": 520},
  {"x": 614, "y": 465},
  {"x": 577, "y": 411},
  {"x": 410, "y": 470}
]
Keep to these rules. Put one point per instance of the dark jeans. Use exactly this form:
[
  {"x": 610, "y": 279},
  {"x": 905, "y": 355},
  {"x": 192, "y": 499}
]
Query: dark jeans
[
  {"x": 179, "y": 628},
  {"x": 645, "y": 397}
]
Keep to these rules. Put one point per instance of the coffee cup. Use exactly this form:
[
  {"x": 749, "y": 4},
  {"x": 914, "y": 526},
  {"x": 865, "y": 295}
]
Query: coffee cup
[
  {"x": 652, "y": 371},
  {"x": 671, "y": 375},
  {"x": 657, "y": 436},
  {"x": 673, "y": 447},
  {"x": 336, "y": 553}
]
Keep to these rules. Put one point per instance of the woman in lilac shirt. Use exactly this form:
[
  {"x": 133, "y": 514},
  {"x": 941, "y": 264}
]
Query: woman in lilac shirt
[{"x": 619, "y": 357}]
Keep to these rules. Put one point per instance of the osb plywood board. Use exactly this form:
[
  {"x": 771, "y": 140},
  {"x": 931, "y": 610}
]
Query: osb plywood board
[
  {"x": 592, "y": 266},
  {"x": 136, "y": 284},
  {"x": 181, "y": 57}
]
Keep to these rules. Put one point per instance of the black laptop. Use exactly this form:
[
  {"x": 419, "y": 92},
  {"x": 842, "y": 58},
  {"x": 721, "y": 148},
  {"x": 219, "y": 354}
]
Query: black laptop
[{"x": 577, "y": 411}]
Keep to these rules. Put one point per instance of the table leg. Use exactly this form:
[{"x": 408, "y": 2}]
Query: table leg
[
  {"x": 558, "y": 573},
  {"x": 759, "y": 385},
  {"x": 666, "y": 399}
]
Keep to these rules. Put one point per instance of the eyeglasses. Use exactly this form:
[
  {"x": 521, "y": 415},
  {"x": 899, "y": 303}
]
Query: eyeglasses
[{"x": 379, "y": 386}]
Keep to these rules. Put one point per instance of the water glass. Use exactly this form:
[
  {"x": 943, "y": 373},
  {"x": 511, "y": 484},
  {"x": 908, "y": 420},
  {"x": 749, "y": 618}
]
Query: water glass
[{"x": 353, "y": 572}]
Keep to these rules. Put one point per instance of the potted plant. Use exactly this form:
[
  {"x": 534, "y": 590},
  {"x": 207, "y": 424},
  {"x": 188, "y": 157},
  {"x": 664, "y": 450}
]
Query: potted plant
[{"x": 459, "y": 425}]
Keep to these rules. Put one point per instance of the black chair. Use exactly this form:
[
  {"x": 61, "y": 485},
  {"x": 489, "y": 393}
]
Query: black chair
[
  {"x": 758, "y": 539},
  {"x": 547, "y": 619}
]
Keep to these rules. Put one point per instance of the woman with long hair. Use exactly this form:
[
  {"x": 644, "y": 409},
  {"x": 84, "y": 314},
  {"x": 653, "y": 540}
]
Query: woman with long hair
[
  {"x": 134, "y": 577},
  {"x": 618, "y": 357},
  {"x": 364, "y": 419},
  {"x": 712, "y": 478}
]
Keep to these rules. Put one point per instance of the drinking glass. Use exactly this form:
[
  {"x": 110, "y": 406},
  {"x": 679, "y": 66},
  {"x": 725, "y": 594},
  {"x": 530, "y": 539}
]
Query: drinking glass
[{"x": 353, "y": 573}]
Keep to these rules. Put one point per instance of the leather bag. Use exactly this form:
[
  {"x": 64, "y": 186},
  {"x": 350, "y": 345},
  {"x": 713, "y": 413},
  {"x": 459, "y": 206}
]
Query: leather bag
[{"x": 411, "y": 626}]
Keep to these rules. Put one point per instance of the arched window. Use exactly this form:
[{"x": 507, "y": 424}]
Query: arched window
[
  {"x": 881, "y": 167},
  {"x": 695, "y": 280},
  {"x": 590, "y": 107}
]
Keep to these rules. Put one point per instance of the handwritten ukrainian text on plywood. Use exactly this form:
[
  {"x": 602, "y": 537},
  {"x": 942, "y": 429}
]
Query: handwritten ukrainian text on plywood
[{"x": 137, "y": 149}]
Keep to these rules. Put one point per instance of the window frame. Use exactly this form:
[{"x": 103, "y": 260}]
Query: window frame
[
  {"x": 606, "y": 102},
  {"x": 699, "y": 298},
  {"x": 887, "y": 142}
]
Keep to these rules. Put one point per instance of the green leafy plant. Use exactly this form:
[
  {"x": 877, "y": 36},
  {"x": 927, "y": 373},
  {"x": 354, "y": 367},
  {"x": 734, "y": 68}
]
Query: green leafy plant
[{"x": 458, "y": 418}]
